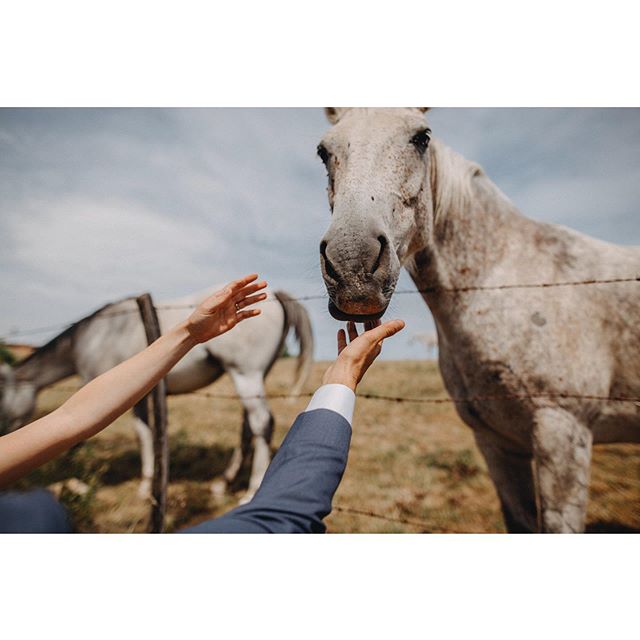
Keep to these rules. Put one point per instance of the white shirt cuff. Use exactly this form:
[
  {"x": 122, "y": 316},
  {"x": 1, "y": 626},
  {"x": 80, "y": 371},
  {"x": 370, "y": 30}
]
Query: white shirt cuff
[{"x": 335, "y": 397}]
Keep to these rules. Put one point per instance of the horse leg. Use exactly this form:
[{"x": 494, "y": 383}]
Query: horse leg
[
  {"x": 262, "y": 431},
  {"x": 512, "y": 475},
  {"x": 240, "y": 454},
  {"x": 250, "y": 388},
  {"x": 562, "y": 455},
  {"x": 145, "y": 440}
]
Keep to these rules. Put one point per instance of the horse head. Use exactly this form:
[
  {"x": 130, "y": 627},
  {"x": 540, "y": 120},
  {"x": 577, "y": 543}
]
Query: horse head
[{"x": 376, "y": 161}]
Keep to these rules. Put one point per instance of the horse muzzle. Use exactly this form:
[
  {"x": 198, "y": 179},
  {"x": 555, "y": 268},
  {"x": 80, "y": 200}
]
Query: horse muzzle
[
  {"x": 359, "y": 302},
  {"x": 338, "y": 314},
  {"x": 360, "y": 277}
]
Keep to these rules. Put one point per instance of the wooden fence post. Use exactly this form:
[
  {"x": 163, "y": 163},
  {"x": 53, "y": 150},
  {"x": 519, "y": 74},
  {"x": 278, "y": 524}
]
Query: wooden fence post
[{"x": 157, "y": 411}]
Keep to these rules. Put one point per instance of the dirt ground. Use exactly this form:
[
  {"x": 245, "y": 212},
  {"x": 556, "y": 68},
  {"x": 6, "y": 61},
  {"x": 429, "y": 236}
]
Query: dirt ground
[{"x": 415, "y": 466}]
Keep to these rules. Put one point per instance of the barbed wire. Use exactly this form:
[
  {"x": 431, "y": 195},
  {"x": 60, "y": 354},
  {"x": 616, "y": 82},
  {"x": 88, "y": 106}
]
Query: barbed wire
[
  {"x": 396, "y": 399},
  {"x": 99, "y": 315},
  {"x": 533, "y": 285},
  {"x": 306, "y": 298},
  {"x": 423, "y": 524},
  {"x": 440, "y": 400}
]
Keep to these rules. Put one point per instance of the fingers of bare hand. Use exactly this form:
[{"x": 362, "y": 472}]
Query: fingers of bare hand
[
  {"x": 249, "y": 289},
  {"x": 249, "y": 313},
  {"x": 353, "y": 331},
  {"x": 236, "y": 285},
  {"x": 245, "y": 302}
]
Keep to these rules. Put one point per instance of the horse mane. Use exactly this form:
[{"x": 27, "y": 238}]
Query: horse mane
[
  {"x": 451, "y": 176},
  {"x": 67, "y": 333}
]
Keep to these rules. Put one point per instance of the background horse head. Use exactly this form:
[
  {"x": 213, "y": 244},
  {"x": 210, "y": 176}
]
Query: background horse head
[{"x": 17, "y": 400}]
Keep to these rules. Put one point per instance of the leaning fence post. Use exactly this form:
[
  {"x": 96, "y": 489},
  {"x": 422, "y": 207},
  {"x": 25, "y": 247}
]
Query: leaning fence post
[{"x": 157, "y": 411}]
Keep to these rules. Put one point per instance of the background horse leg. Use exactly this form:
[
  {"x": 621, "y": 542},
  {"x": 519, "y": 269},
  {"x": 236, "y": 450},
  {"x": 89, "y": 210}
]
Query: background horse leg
[
  {"x": 257, "y": 429},
  {"x": 240, "y": 454},
  {"x": 145, "y": 440},
  {"x": 512, "y": 474},
  {"x": 562, "y": 454}
]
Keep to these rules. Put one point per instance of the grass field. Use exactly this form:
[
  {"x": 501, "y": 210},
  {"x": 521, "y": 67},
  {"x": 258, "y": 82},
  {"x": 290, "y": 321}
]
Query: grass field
[{"x": 416, "y": 465}]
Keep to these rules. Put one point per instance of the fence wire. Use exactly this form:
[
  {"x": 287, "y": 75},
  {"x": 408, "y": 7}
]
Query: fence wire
[
  {"x": 393, "y": 399},
  {"x": 422, "y": 524},
  {"x": 432, "y": 290}
]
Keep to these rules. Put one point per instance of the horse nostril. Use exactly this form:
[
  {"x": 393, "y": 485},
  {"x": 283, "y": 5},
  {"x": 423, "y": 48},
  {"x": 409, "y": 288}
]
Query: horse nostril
[
  {"x": 328, "y": 267},
  {"x": 383, "y": 245}
]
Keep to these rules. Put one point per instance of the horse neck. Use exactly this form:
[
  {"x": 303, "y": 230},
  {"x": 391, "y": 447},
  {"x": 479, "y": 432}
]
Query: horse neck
[
  {"x": 49, "y": 363},
  {"x": 472, "y": 224}
]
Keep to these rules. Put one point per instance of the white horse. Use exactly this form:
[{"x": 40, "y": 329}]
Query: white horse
[
  {"x": 115, "y": 332},
  {"x": 400, "y": 199}
]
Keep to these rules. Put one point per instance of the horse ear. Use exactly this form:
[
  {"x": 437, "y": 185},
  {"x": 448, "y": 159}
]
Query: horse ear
[{"x": 334, "y": 113}]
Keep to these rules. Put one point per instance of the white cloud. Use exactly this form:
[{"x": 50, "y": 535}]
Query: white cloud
[{"x": 119, "y": 245}]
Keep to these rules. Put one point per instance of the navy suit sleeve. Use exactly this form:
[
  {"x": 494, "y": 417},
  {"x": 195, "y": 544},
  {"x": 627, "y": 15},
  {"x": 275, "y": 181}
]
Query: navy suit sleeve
[{"x": 298, "y": 487}]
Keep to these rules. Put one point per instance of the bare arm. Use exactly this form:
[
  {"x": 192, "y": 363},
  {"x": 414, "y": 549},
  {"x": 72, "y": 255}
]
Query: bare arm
[{"x": 100, "y": 402}]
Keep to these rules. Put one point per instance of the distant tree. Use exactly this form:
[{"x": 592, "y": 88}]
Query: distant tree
[{"x": 6, "y": 355}]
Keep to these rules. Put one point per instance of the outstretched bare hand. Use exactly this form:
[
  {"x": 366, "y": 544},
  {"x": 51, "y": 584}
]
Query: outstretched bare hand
[
  {"x": 224, "y": 309},
  {"x": 355, "y": 358}
]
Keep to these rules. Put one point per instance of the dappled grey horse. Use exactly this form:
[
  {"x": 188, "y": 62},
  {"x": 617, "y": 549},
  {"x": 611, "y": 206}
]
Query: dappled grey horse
[
  {"x": 399, "y": 199},
  {"x": 115, "y": 332}
]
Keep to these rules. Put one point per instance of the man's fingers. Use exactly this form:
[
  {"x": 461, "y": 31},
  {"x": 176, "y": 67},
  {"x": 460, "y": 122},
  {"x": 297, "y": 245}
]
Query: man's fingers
[
  {"x": 385, "y": 330},
  {"x": 342, "y": 340},
  {"x": 250, "y": 300},
  {"x": 353, "y": 332}
]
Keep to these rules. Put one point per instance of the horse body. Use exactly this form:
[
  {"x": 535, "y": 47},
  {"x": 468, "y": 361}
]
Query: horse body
[
  {"x": 114, "y": 333},
  {"x": 516, "y": 350},
  {"x": 512, "y": 347}
]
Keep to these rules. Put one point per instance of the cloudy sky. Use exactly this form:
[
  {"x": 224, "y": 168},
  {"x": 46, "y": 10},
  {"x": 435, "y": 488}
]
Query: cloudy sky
[{"x": 96, "y": 205}]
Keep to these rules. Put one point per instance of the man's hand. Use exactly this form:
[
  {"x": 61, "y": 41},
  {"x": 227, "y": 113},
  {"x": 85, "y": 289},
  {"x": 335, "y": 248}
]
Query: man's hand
[
  {"x": 354, "y": 359},
  {"x": 224, "y": 309}
]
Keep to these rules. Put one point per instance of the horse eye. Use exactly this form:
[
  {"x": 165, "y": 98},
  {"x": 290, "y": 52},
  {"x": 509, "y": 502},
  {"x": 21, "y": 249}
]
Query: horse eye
[
  {"x": 421, "y": 140},
  {"x": 323, "y": 153}
]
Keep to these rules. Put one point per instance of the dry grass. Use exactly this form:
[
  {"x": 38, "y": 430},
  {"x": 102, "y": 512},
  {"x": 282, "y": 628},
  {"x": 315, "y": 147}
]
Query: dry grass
[{"x": 408, "y": 462}]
